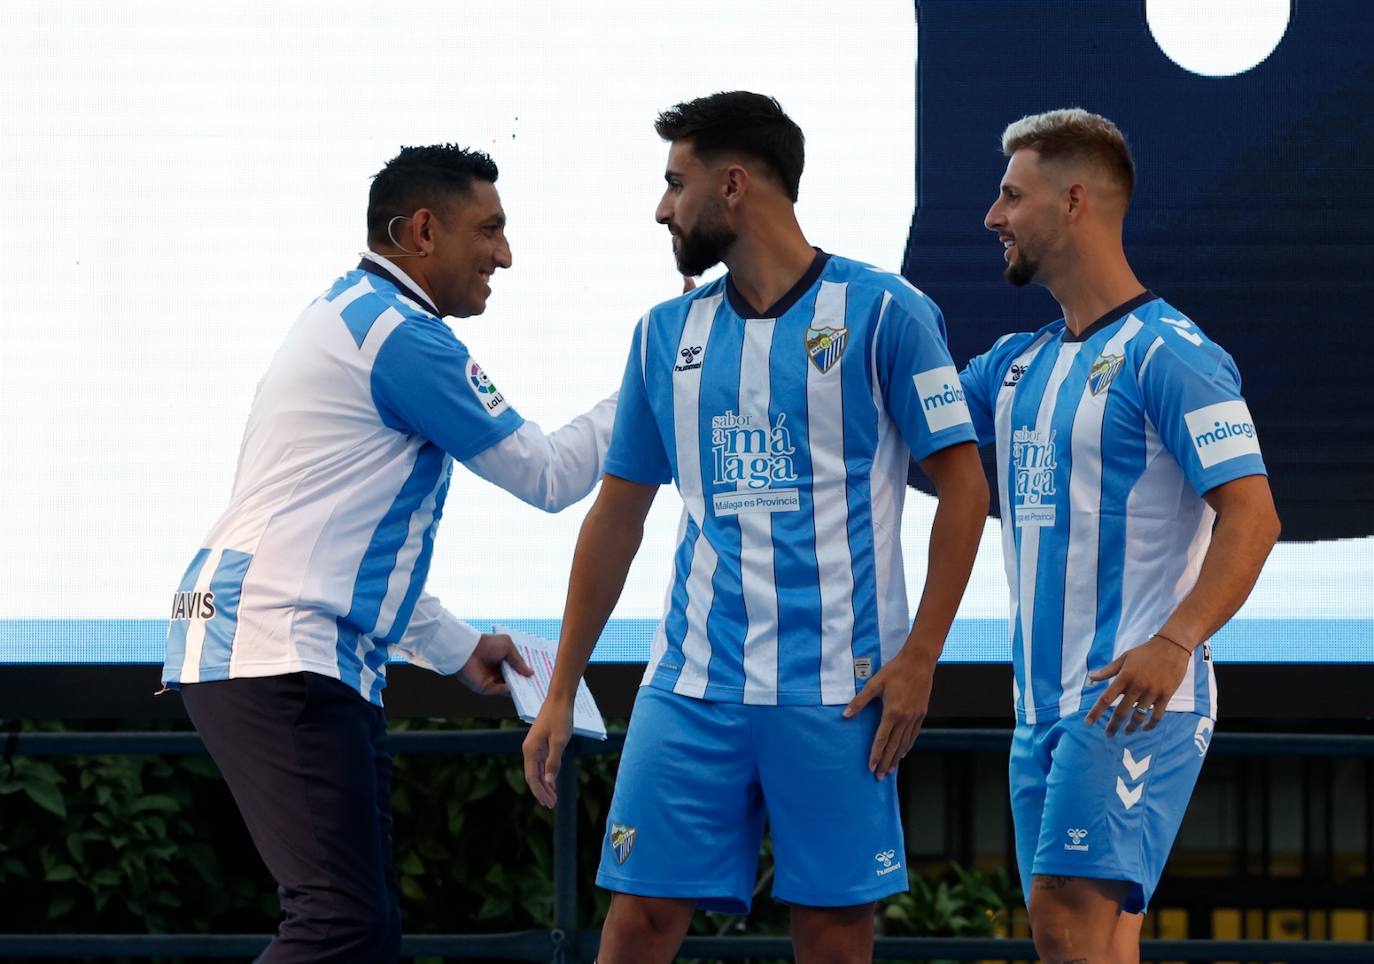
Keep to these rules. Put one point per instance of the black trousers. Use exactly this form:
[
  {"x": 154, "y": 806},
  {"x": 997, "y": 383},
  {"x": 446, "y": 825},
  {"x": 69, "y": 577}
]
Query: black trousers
[{"x": 307, "y": 762}]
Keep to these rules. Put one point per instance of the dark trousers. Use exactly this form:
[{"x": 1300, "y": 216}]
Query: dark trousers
[{"x": 306, "y": 759}]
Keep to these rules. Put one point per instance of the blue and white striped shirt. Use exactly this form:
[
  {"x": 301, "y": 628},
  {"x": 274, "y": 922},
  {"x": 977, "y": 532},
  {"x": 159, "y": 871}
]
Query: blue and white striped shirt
[
  {"x": 1106, "y": 443},
  {"x": 788, "y": 435},
  {"x": 319, "y": 562}
]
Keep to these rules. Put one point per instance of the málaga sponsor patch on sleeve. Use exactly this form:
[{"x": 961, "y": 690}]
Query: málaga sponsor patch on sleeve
[
  {"x": 942, "y": 397},
  {"x": 1222, "y": 431}
]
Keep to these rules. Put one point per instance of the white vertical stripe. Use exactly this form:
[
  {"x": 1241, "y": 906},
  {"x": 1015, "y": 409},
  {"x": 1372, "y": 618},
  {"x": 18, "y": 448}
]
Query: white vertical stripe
[
  {"x": 696, "y": 650},
  {"x": 1002, "y": 425},
  {"x": 1212, "y": 688},
  {"x": 830, "y": 507},
  {"x": 1085, "y": 506},
  {"x": 758, "y": 585},
  {"x": 398, "y": 583},
  {"x": 887, "y": 490},
  {"x": 1149, "y": 354},
  {"x": 659, "y": 645},
  {"x": 1030, "y": 535},
  {"x": 195, "y": 630}
]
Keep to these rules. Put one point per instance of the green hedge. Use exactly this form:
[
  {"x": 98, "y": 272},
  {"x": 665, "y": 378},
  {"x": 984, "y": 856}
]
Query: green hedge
[{"x": 154, "y": 844}]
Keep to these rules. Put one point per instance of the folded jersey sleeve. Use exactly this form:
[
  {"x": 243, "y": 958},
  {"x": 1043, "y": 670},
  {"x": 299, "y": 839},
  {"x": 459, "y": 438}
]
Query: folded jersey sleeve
[
  {"x": 982, "y": 379},
  {"x": 919, "y": 383},
  {"x": 636, "y": 452},
  {"x": 425, "y": 382},
  {"x": 1190, "y": 389}
]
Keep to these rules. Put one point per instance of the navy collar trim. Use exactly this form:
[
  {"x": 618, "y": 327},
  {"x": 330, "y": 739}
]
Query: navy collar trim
[
  {"x": 1115, "y": 314},
  {"x": 783, "y": 304},
  {"x": 409, "y": 290}
]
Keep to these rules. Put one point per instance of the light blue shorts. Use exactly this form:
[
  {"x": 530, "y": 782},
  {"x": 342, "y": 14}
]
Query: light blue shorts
[
  {"x": 1086, "y": 804},
  {"x": 698, "y": 779}
]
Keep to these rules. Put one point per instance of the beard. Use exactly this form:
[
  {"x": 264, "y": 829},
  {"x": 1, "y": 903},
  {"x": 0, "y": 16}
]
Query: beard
[
  {"x": 706, "y": 246},
  {"x": 1021, "y": 271}
]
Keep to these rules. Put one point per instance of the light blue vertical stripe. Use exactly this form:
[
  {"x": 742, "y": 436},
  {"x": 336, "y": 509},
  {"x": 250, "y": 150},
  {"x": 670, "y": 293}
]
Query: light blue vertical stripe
[
  {"x": 1052, "y": 566},
  {"x": 860, "y": 442},
  {"x": 1025, "y": 409},
  {"x": 346, "y": 654},
  {"x": 176, "y": 628},
  {"x": 675, "y": 620},
  {"x": 227, "y": 585},
  {"x": 1120, "y": 473},
  {"x": 374, "y": 571},
  {"x": 794, "y": 533},
  {"x": 726, "y": 624}
]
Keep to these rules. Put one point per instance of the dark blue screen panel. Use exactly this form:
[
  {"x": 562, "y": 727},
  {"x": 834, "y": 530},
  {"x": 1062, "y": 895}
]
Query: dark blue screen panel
[{"x": 1252, "y": 212}]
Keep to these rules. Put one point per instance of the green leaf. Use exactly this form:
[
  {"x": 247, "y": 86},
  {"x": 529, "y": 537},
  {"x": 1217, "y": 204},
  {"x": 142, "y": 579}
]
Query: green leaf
[
  {"x": 412, "y": 888},
  {"x": 106, "y": 877},
  {"x": 155, "y": 802},
  {"x": 60, "y": 906},
  {"x": 59, "y": 873},
  {"x": 48, "y": 796},
  {"x": 76, "y": 846},
  {"x": 411, "y": 864}
]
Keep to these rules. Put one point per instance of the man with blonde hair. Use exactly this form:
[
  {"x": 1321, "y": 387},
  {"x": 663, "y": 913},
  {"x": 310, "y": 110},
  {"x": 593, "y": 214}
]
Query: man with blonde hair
[{"x": 1136, "y": 516}]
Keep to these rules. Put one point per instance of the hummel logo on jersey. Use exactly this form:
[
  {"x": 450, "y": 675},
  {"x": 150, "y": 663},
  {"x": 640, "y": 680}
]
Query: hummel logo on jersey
[
  {"x": 492, "y": 400},
  {"x": 622, "y": 841},
  {"x": 754, "y": 455},
  {"x": 1202, "y": 736},
  {"x": 824, "y": 346},
  {"x": 1014, "y": 374},
  {"x": 887, "y": 862},
  {"x": 193, "y": 605},
  {"x": 690, "y": 358},
  {"x": 1076, "y": 835},
  {"x": 1222, "y": 431},
  {"x": 1103, "y": 371},
  {"x": 1033, "y": 455}
]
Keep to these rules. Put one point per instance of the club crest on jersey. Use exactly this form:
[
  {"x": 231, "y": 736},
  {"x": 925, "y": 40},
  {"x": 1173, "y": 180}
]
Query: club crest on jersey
[
  {"x": 824, "y": 346},
  {"x": 622, "y": 841},
  {"x": 487, "y": 393},
  {"x": 1103, "y": 371}
]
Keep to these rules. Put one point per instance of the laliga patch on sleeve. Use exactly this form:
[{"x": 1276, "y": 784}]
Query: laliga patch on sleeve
[
  {"x": 487, "y": 394},
  {"x": 942, "y": 398},
  {"x": 1222, "y": 431}
]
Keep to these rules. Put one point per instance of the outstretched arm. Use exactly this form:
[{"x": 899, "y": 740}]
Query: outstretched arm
[
  {"x": 606, "y": 546},
  {"x": 552, "y": 471}
]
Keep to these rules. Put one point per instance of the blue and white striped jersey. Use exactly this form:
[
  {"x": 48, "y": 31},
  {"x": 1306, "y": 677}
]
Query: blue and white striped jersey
[
  {"x": 1105, "y": 445},
  {"x": 319, "y": 562},
  {"x": 788, "y": 437}
]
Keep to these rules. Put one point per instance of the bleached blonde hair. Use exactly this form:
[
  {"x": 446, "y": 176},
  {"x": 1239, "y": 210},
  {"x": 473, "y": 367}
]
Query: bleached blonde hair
[{"x": 1074, "y": 134}]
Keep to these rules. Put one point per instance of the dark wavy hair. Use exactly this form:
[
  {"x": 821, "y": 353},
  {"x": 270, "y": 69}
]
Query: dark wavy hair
[
  {"x": 423, "y": 177},
  {"x": 742, "y": 122}
]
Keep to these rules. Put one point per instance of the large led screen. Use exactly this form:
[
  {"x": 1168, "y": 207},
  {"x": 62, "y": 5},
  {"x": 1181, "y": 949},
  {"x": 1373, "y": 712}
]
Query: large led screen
[{"x": 179, "y": 181}]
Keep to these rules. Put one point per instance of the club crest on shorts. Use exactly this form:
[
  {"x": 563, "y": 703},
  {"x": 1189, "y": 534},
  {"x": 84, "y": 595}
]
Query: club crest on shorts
[
  {"x": 1103, "y": 371},
  {"x": 622, "y": 841},
  {"x": 824, "y": 346}
]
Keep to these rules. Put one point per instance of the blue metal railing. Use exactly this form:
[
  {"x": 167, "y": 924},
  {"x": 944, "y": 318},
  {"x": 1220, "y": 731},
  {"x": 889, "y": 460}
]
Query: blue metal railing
[{"x": 566, "y": 942}]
